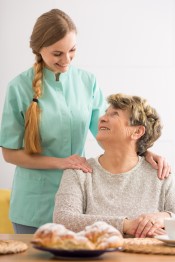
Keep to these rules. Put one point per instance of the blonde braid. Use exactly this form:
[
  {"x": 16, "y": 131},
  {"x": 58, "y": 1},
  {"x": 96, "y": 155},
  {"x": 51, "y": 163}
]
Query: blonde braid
[
  {"x": 32, "y": 139},
  {"x": 49, "y": 28}
]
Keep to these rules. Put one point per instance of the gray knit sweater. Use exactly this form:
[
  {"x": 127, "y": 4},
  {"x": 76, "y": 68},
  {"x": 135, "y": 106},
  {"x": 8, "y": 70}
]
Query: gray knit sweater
[{"x": 85, "y": 198}]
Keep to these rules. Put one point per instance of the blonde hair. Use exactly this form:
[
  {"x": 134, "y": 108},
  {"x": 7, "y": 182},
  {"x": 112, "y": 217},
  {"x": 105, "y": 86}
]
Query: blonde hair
[
  {"x": 49, "y": 28},
  {"x": 141, "y": 113}
]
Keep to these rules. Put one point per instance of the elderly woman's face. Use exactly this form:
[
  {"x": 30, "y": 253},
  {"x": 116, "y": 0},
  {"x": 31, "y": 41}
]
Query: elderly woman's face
[{"x": 114, "y": 126}]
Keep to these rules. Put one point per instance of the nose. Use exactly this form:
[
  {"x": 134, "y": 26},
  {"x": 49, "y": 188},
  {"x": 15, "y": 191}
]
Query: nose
[
  {"x": 103, "y": 118},
  {"x": 66, "y": 59}
]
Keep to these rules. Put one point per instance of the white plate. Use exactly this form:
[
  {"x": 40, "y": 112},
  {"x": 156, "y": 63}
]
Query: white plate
[{"x": 165, "y": 239}]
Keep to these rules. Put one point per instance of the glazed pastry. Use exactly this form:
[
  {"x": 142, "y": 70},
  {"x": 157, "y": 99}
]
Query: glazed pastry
[
  {"x": 48, "y": 234},
  {"x": 103, "y": 235},
  {"x": 99, "y": 235},
  {"x": 57, "y": 236}
]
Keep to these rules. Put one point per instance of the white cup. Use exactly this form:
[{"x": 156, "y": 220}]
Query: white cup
[{"x": 170, "y": 227}]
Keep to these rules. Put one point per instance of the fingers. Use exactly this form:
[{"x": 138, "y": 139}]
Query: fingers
[
  {"x": 78, "y": 162},
  {"x": 155, "y": 229},
  {"x": 158, "y": 231},
  {"x": 83, "y": 167},
  {"x": 143, "y": 228},
  {"x": 152, "y": 159},
  {"x": 149, "y": 230},
  {"x": 159, "y": 163},
  {"x": 164, "y": 170},
  {"x": 149, "y": 227}
]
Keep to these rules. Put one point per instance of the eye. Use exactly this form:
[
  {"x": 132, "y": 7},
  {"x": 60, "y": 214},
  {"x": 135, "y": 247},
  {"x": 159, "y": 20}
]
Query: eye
[
  {"x": 115, "y": 113},
  {"x": 73, "y": 50},
  {"x": 57, "y": 54}
]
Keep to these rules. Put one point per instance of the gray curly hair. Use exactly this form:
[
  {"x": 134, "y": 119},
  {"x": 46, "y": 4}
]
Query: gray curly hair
[{"x": 141, "y": 113}]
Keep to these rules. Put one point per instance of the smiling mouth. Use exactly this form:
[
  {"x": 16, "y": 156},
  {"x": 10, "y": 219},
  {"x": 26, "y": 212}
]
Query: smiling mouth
[
  {"x": 104, "y": 128},
  {"x": 63, "y": 66}
]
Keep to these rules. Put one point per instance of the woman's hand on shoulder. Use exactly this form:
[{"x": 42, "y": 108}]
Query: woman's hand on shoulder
[
  {"x": 18, "y": 157},
  {"x": 159, "y": 163},
  {"x": 75, "y": 162}
]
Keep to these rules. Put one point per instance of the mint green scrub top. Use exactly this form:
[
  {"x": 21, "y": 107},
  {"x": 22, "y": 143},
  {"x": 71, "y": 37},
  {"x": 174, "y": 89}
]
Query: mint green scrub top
[{"x": 69, "y": 108}]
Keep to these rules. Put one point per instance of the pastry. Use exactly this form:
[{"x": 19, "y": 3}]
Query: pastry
[
  {"x": 98, "y": 236},
  {"x": 103, "y": 235},
  {"x": 48, "y": 234},
  {"x": 57, "y": 236}
]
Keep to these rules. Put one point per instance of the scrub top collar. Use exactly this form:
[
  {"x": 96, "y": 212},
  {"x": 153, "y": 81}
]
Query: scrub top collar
[{"x": 48, "y": 74}]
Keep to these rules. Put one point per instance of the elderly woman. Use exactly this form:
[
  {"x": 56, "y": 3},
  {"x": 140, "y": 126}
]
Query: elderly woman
[{"x": 123, "y": 189}]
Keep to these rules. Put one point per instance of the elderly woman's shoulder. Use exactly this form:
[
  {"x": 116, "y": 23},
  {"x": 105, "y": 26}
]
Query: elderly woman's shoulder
[
  {"x": 146, "y": 170},
  {"x": 153, "y": 172},
  {"x": 93, "y": 161}
]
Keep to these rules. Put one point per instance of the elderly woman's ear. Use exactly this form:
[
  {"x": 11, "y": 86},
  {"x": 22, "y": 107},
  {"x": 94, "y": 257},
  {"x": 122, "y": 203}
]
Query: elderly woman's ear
[{"x": 138, "y": 132}]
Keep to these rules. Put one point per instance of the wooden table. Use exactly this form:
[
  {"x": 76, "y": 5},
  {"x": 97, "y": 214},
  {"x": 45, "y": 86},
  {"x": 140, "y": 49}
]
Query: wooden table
[{"x": 33, "y": 255}]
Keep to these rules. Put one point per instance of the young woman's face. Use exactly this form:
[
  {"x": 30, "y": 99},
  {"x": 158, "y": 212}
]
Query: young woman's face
[{"x": 57, "y": 57}]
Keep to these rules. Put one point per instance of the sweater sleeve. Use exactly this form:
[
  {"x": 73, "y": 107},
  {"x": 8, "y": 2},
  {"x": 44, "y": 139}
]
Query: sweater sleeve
[{"x": 70, "y": 205}]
